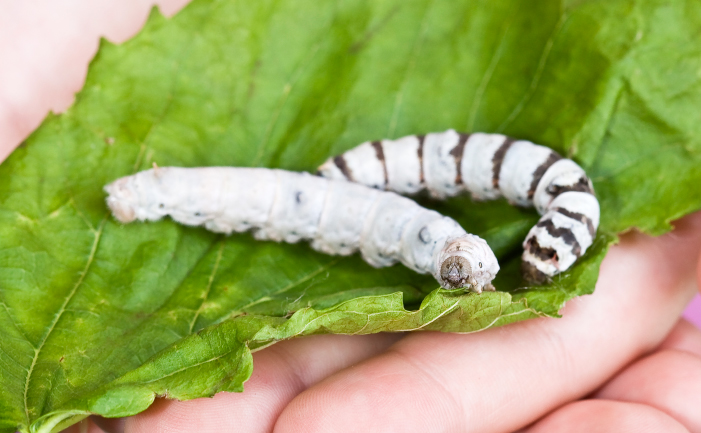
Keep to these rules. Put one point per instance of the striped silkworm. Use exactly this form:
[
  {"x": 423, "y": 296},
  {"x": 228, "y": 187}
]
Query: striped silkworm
[
  {"x": 338, "y": 217},
  {"x": 488, "y": 166}
]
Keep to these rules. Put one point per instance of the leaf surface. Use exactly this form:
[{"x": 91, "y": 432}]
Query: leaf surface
[{"x": 100, "y": 318}]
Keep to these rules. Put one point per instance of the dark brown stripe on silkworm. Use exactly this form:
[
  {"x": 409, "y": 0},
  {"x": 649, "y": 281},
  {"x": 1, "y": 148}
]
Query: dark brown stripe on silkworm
[
  {"x": 420, "y": 152},
  {"x": 532, "y": 274},
  {"x": 340, "y": 162},
  {"x": 582, "y": 185},
  {"x": 377, "y": 145},
  {"x": 563, "y": 233},
  {"x": 579, "y": 217},
  {"x": 540, "y": 171},
  {"x": 543, "y": 253},
  {"x": 457, "y": 152},
  {"x": 498, "y": 159}
]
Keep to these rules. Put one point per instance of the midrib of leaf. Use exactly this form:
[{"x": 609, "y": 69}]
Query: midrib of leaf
[
  {"x": 423, "y": 325},
  {"x": 209, "y": 286},
  {"x": 418, "y": 42},
  {"x": 502, "y": 316},
  {"x": 286, "y": 90},
  {"x": 173, "y": 373},
  {"x": 547, "y": 48},
  {"x": 62, "y": 309},
  {"x": 487, "y": 77}
]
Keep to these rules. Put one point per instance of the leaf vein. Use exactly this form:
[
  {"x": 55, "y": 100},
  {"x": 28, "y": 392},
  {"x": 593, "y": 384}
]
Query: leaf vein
[
  {"x": 57, "y": 316},
  {"x": 445, "y": 312},
  {"x": 208, "y": 289},
  {"x": 418, "y": 42},
  {"x": 286, "y": 90},
  {"x": 486, "y": 78},
  {"x": 12, "y": 319},
  {"x": 291, "y": 285},
  {"x": 547, "y": 48}
]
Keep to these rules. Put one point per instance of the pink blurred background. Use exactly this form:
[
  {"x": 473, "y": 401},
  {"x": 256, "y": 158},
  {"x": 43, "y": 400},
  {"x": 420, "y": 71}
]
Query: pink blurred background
[
  {"x": 693, "y": 311},
  {"x": 44, "y": 64}
]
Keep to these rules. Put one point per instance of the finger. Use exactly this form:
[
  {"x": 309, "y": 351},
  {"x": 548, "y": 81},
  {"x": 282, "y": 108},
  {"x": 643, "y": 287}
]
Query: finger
[
  {"x": 46, "y": 62},
  {"x": 668, "y": 380},
  {"x": 588, "y": 416},
  {"x": 685, "y": 337},
  {"x": 85, "y": 426},
  {"x": 502, "y": 379},
  {"x": 280, "y": 373},
  {"x": 109, "y": 425}
]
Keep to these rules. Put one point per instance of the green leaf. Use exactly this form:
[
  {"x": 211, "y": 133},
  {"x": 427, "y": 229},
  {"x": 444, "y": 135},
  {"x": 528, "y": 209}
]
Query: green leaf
[{"x": 100, "y": 318}]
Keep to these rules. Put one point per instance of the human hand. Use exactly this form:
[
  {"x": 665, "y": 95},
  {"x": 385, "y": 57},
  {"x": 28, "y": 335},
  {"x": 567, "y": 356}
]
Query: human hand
[
  {"x": 619, "y": 360},
  {"x": 45, "y": 48},
  {"x": 498, "y": 380}
]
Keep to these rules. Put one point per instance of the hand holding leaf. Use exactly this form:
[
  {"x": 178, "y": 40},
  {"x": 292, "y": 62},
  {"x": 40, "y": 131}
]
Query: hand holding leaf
[{"x": 99, "y": 318}]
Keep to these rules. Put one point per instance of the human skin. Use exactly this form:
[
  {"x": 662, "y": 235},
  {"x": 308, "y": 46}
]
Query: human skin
[{"x": 618, "y": 360}]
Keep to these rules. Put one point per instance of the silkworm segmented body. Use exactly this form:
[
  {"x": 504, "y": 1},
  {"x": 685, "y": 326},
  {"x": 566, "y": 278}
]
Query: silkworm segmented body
[
  {"x": 338, "y": 217},
  {"x": 489, "y": 166}
]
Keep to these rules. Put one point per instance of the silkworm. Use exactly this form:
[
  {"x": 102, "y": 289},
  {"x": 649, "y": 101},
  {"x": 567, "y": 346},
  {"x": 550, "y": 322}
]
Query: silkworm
[
  {"x": 488, "y": 166},
  {"x": 337, "y": 217}
]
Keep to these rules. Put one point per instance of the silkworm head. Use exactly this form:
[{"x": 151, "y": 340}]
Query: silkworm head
[
  {"x": 466, "y": 262},
  {"x": 456, "y": 272}
]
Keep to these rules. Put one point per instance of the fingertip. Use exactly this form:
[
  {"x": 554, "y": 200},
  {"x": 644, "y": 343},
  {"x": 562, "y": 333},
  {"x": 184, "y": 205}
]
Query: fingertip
[
  {"x": 150, "y": 420},
  {"x": 588, "y": 416},
  {"x": 667, "y": 380},
  {"x": 109, "y": 425},
  {"x": 85, "y": 426},
  {"x": 685, "y": 337}
]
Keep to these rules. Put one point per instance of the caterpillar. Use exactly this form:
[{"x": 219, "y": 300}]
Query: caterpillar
[
  {"x": 488, "y": 166},
  {"x": 338, "y": 217}
]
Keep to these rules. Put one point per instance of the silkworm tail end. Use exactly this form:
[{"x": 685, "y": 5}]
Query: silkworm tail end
[
  {"x": 532, "y": 274},
  {"x": 330, "y": 170}
]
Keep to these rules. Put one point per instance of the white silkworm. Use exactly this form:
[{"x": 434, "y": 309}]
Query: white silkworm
[
  {"x": 489, "y": 166},
  {"x": 338, "y": 217}
]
